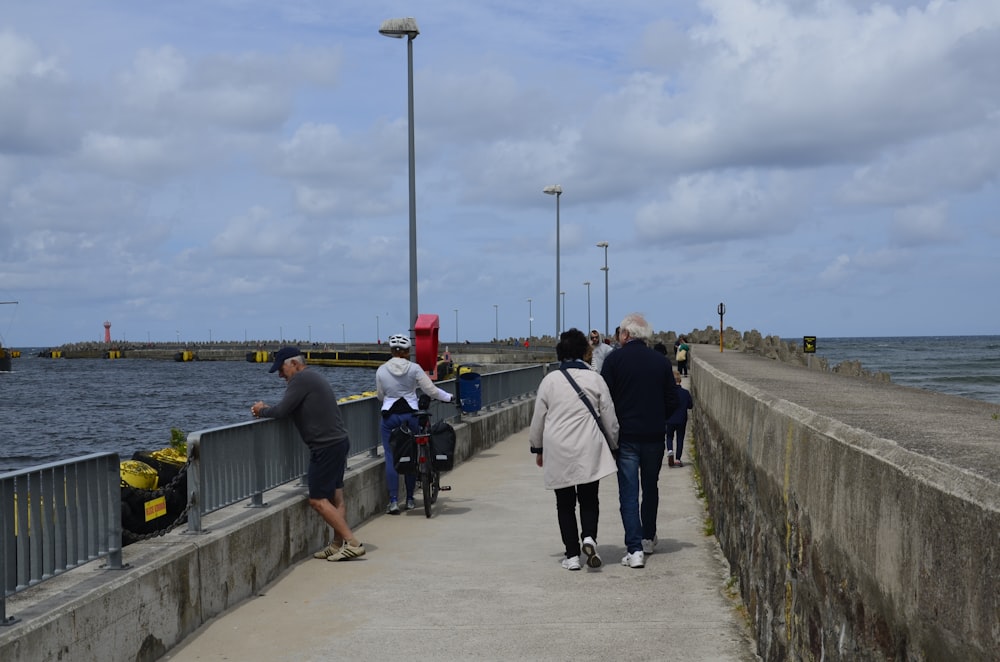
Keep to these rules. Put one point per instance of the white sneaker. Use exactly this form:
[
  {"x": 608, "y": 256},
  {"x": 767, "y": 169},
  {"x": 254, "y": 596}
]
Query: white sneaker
[
  {"x": 648, "y": 545},
  {"x": 590, "y": 551},
  {"x": 635, "y": 560},
  {"x": 571, "y": 563}
]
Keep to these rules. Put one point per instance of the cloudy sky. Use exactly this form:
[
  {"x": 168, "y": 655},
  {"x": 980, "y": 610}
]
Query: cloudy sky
[{"x": 224, "y": 169}]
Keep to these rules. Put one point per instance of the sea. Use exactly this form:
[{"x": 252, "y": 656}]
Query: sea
[{"x": 54, "y": 409}]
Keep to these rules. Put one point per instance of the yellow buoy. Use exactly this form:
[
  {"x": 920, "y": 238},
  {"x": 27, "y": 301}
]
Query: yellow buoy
[{"x": 139, "y": 475}]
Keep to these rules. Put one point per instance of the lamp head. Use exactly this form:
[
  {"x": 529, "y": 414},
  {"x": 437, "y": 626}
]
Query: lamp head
[
  {"x": 397, "y": 28},
  {"x": 555, "y": 189},
  {"x": 602, "y": 244}
]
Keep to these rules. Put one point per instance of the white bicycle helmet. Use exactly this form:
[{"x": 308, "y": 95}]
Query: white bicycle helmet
[{"x": 399, "y": 341}]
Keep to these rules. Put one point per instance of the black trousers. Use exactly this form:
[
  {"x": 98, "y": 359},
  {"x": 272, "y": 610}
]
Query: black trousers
[{"x": 590, "y": 509}]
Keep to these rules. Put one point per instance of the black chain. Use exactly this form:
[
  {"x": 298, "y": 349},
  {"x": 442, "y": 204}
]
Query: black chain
[{"x": 128, "y": 537}]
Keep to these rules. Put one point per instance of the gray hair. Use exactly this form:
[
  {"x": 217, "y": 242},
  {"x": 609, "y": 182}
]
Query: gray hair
[
  {"x": 301, "y": 360},
  {"x": 637, "y": 326}
]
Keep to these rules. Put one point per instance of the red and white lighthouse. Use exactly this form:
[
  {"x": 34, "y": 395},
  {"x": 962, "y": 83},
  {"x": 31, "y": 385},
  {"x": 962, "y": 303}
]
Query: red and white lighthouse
[{"x": 107, "y": 331}]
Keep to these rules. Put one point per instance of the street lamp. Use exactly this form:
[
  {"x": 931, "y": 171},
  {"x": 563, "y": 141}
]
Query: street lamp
[
  {"x": 556, "y": 190},
  {"x": 530, "y": 318},
  {"x": 378, "y": 332},
  {"x": 587, "y": 283},
  {"x": 604, "y": 245},
  {"x": 496, "y": 322},
  {"x": 456, "y": 325},
  {"x": 343, "y": 332},
  {"x": 397, "y": 28},
  {"x": 563, "y": 297}
]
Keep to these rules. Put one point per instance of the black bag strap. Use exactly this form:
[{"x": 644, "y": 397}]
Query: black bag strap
[{"x": 586, "y": 401}]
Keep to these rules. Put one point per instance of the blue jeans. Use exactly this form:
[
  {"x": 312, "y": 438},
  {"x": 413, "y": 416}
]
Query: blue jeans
[
  {"x": 639, "y": 467},
  {"x": 391, "y": 476}
]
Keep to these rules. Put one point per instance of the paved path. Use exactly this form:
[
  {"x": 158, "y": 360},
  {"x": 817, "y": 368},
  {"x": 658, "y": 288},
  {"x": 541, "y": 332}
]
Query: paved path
[{"x": 489, "y": 562}]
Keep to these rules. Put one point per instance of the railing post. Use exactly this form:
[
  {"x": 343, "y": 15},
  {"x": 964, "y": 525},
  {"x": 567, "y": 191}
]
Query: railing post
[
  {"x": 112, "y": 498},
  {"x": 194, "y": 479}
]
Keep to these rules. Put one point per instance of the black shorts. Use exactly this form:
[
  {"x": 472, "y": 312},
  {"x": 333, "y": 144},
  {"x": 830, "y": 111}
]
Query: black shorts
[{"x": 326, "y": 470}]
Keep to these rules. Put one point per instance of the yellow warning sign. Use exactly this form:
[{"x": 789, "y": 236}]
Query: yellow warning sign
[
  {"x": 156, "y": 508},
  {"x": 809, "y": 344}
]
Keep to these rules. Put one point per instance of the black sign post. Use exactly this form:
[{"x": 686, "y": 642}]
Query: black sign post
[
  {"x": 722, "y": 312},
  {"x": 809, "y": 348}
]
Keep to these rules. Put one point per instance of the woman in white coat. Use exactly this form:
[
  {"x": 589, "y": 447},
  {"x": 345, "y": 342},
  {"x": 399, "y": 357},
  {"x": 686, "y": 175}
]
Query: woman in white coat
[{"x": 571, "y": 447}]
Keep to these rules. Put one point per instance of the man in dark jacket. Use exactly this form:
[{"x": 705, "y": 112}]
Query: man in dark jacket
[{"x": 642, "y": 387}]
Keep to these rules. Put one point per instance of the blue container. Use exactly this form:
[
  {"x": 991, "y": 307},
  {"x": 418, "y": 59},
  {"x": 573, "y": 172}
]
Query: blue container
[{"x": 470, "y": 392}]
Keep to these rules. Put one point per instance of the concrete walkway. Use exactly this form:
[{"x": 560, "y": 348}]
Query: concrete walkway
[{"x": 481, "y": 580}]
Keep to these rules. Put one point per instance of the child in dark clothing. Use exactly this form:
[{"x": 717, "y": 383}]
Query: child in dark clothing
[{"x": 677, "y": 423}]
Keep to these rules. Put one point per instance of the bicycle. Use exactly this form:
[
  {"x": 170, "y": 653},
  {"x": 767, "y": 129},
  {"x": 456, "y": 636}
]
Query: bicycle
[
  {"x": 429, "y": 477},
  {"x": 427, "y": 472}
]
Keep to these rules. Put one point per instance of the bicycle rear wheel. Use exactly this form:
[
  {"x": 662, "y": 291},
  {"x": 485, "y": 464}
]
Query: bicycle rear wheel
[{"x": 427, "y": 484}]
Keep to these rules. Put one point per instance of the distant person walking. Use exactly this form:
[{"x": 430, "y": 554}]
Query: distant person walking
[
  {"x": 683, "y": 356},
  {"x": 599, "y": 350},
  {"x": 396, "y": 383},
  {"x": 677, "y": 424},
  {"x": 641, "y": 382},
  {"x": 311, "y": 404},
  {"x": 571, "y": 446}
]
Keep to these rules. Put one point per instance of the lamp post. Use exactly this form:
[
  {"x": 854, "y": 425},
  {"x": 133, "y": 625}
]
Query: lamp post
[
  {"x": 378, "y": 332},
  {"x": 496, "y": 322},
  {"x": 604, "y": 245},
  {"x": 456, "y": 325},
  {"x": 343, "y": 332},
  {"x": 397, "y": 28},
  {"x": 562, "y": 295},
  {"x": 529, "y": 318},
  {"x": 556, "y": 190},
  {"x": 587, "y": 283}
]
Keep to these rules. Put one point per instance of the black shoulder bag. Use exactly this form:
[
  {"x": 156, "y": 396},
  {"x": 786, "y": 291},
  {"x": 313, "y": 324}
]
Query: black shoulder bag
[{"x": 590, "y": 407}]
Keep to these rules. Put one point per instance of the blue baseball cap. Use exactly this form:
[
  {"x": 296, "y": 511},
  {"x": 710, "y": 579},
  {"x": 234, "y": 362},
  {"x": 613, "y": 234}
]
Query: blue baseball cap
[{"x": 283, "y": 355}]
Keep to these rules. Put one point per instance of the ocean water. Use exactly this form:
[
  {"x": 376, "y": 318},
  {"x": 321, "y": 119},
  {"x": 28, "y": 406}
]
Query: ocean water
[
  {"x": 54, "y": 409},
  {"x": 966, "y": 366}
]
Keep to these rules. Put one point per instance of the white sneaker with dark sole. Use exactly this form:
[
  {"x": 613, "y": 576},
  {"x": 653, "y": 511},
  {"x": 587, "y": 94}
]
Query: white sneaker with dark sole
[{"x": 590, "y": 551}]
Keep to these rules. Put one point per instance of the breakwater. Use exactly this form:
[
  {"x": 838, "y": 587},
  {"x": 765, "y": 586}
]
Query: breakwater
[{"x": 861, "y": 518}]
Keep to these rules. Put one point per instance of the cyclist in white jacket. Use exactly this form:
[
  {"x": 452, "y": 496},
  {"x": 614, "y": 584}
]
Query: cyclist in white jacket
[{"x": 396, "y": 383}]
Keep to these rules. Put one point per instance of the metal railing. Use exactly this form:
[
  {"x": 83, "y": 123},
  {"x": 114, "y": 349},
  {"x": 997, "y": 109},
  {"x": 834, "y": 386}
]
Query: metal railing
[
  {"x": 238, "y": 462},
  {"x": 55, "y": 517}
]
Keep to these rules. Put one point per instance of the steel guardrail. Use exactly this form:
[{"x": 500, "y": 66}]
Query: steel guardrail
[
  {"x": 58, "y": 516},
  {"x": 233, "y": 463}
]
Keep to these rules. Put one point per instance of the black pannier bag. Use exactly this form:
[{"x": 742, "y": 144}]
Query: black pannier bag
[
  {"x": 404, "y": 450},
  {"x": 443, "y": 446}
]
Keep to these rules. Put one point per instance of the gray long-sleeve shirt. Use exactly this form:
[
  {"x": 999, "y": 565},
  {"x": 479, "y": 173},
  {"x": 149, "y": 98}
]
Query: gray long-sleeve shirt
[{"x": 310, "y": 401}]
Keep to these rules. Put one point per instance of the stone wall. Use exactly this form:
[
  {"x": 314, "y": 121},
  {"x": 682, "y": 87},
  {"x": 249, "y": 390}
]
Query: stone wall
[{"x": 847, "y": 545}]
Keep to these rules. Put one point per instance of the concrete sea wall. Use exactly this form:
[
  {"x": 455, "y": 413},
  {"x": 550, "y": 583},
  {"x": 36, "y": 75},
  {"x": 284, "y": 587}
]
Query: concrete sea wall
[
  {"x": 176, "y": 583},
  {"x": 862, "y": 518}
]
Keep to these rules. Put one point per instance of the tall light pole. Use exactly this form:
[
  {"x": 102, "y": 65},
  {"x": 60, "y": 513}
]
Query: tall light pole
[
  {"x": 496, "y": 322},
  {"x": 587, "y": 283},
  {"x": 530, "y": 318},
  {"x": 604, "y": 245},
  {"x": 397, "y": 28},
  {"x": 562, "y": 295},
  {"x": 556, "y": 190},
  {"x": 343, "y": 332},
  {"x": 378, "y": 332},
  {"x": 456, "y": 325}
]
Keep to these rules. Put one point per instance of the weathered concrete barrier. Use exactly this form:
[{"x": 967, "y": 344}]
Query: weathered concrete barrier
[
  {"x": 176, "y": 583},
  {"x": 862, "y": 518}
]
